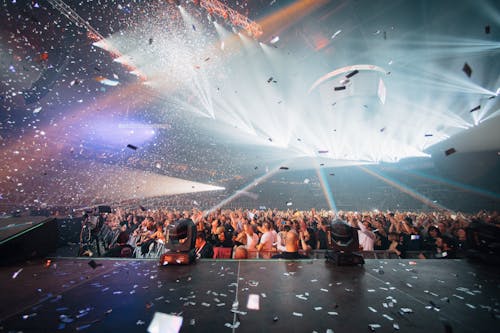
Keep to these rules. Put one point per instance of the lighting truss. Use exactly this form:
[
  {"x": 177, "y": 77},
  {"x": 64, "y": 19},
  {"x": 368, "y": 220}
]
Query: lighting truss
[{"x": 215, "y": 7}]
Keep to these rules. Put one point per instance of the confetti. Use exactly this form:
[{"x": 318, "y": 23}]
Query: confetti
[
  {"x": 16, "y": 273},
  {"x": 253, "y": 302}
]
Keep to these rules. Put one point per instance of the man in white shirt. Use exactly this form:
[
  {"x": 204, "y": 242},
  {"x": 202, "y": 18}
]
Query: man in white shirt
[{"x": 366, "y": 236}]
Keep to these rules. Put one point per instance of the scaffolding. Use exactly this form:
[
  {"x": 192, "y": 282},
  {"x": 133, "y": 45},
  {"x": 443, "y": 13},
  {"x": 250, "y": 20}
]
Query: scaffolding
[{"x": 215, "y": 7}]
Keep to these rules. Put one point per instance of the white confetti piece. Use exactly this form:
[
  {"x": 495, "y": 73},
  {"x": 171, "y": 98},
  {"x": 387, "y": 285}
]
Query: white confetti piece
[
  {"x": 81, "y": 328},
  {"x": 470, "y": 305},
  {"x": 163, "y": 322},
  {"x": 317, "y": 308},
  {"x": 31, "y": 315},
  {"x": 371, "y": 290},
  {"x": 297, "y": 314},
  {"x": 388, "y": 317},
  {"x": 372, "y": 309},
  {"x": 253, "y": 302},
  {"x": 243, "y": 313},
  {"x": 324, "y": 290},
  {"x": 16, "y": 273},
  {"x": 333, "y": 313},
  {"x": 395, "y": 326},
  {"x": 235, "y": 325},
  {"x": 205, "y": 304}
]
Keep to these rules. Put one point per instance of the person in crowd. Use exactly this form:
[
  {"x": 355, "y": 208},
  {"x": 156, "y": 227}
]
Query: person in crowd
[
  {"x": 381, "y": 240},
  {"x": 366, "y": 235},
  {"x": 413, "y": 241},
  {"x": 121, "y": 242},
  {"x": 462, "y": 244},
  {"x": 146, "y": 238},
  {"x": 202, "y": 247},
  {"x": 291, "y": 248},
  {"x": 240, "y": 252},
  {"x": 430, "y": 241},
  {"x": 323, "y": 235},
  {"x": 251, "y": 237},
  {"x": 396, "y": 244},
  {"x": 266, "y": 240},
  {"x": 444, "y": 249},
  {"x": 285, "y": 228},
  {"x": 223, "y": 238}
]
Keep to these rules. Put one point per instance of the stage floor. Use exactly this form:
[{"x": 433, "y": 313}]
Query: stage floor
[{"x": 301, "y": 296}]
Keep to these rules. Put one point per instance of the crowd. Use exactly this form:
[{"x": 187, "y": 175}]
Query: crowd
[{"x": 293, "y": 234}]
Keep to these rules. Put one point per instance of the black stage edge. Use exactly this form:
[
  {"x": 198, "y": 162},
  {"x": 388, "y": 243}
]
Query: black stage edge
[
  {"x": 24, "y": 238},
  {"x": 295, "y": 296}
]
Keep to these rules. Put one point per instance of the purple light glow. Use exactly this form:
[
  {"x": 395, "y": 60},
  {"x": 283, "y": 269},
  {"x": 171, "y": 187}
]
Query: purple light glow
[{"x": 118, "y": 134}]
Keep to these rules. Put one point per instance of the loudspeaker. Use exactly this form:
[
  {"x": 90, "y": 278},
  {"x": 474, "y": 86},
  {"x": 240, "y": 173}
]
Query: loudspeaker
[{"x": 181, "y": 236}]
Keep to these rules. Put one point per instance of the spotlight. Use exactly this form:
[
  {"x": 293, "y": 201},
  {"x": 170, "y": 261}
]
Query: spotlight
[
  {"x": 181, "y": 238},
  {"x": 344, "y": 243}
]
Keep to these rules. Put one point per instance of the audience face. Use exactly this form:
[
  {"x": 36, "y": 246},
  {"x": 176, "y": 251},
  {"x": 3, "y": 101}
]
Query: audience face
[
  {"x": 199, "y": 242},
  {"x": 433, "y": 233},
  {"x": 461, "y": 234}
]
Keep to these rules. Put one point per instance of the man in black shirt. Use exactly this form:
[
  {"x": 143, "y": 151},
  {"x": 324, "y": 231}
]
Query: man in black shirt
[
  {"x": 203, "y": 248},
  {"x": 323, "y": 235}
]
